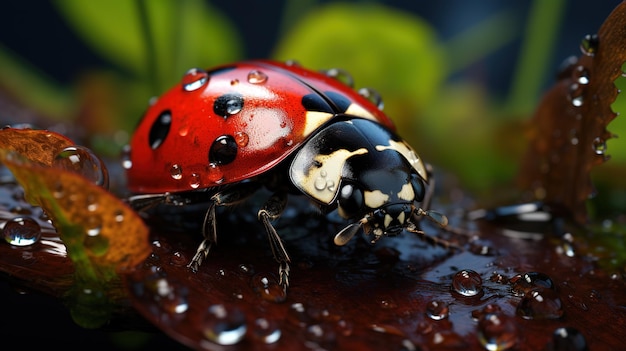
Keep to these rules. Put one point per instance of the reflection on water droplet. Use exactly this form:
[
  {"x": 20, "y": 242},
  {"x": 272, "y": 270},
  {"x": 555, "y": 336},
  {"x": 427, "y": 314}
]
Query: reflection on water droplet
[
  {"x": 194, "y": 79},
  {"x": 97, "y": 245},
  {"x": 214, "y": 174},
  {"x": 224, "y": 325},
  {"x": 599, "y": 146},
  {"x": 523, "y": 283},
  {"x": 589, "y": 44},
  {"x": 575, "y": 94},
  {"x": 126, "y": 162},
  {"x": 467, "y": 283},
  {"x": 297, "y": 315},
  {"x": 194, "y": 181},
  {"x": 81, "y": 160},
  {"x": 257, "y": 77},
  {"x": 267, "y": 288},
  {"x": 373, "y": 96},
  {"x": 176, "y": 172},
  {"x": 581, "y": 75},
  {"x": 21, "y": 231},
  {"x": 323, "y": 334},
  {"x": 265, "y": 331},
  {"x": 170, "y": 299},
  {"x": 497, "y": 332},
  {"x": 241, "y": 139},
  {"x": 340, "y": 75},
  {"x": 540, "y": 304},
  {"x": 437, "y": 310},
  {"x": 567, "y": 339}
]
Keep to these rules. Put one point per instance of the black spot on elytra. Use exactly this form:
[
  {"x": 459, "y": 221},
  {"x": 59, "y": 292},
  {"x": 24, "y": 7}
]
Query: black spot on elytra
[
  {"x": 228, "y": 104},
  {"x": 341, "y": 101},
  {"x": 160, "y": 128},
  {"x": 314, "y": 102},
  {"x": 223, "y": 150}
]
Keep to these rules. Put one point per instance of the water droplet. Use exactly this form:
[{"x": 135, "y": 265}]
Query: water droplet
[
  {"x": 322, "y": 334},
  {"x": 214, "y": 174},
  {"x": 234, "y": 82},
  {"x": 224, "y": 325},
  {"x": 170, "y": 298},
  {"x": 497, "y": 332},
  {"x": 540, "y": 304},
  {"x": 93, "y": 225},
  {"x": 320, "y": 183},
  {"x": 176, "y": 172},
  {"x": 292, "y": 63},
  {"x": 21, "y": 231},
  {"x": 194, "y": 79},
  {"x": 524, "y": 283},
  {"x": 437, "y": 310},
  {"x": 373, "y": 96},
  {"x": 567, "y": 339},
  {"x": 257, "y": 77},
  {"x": 575, "y": 95},
  {"x": 126, "y": 161},
  {"x": 178, "y": 259},
  {"x": 340, "y": 75},
  {"x": 194, "y": 181},
  {"x": 599, "y": 146},
  {"x": 581, "y": 75},
  {"x": 265, "y": 331},
  {"x": 267, "y": 288},
  {"x": 97, "y": 244},
  {"x": 241, "y": 139},
  {"x": 589, "y": 44},
  {"x": 297, "y": 315},
  {"x": 467, "y": 283},
  {"x": 81, "y": 160}
]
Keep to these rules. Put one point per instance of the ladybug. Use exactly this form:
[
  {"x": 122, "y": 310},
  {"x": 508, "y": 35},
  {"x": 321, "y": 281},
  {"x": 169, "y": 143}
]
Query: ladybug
[{"x": 225, "y": 133}]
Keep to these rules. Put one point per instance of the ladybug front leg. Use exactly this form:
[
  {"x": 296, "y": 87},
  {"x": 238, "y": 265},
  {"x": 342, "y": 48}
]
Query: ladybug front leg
[
  {"x": 227, "y": 197},
  {"x": 272, "y": 209}
]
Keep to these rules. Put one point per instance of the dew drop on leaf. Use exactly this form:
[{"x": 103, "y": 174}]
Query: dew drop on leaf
[
  {"x": 81, "y": 160},
  {"x": 223, "y": 325},
  {"x": 467, "y": 283},
  {"x": 21, "y": 231}
]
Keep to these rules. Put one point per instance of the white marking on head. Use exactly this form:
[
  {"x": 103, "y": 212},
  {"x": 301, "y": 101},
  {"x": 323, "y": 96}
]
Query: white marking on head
[
  {"x": 375, "y": 198},
  {"x": 407, "y": 193}
]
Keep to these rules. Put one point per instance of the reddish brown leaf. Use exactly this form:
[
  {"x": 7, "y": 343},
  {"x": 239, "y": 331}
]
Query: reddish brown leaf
[{"x": 568, "y": 131}]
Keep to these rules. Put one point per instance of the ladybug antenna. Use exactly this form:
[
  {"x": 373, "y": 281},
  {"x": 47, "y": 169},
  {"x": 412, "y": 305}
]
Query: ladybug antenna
[
  {"x": 434, "y": 216},
  {"x": 348, "y": 232}
]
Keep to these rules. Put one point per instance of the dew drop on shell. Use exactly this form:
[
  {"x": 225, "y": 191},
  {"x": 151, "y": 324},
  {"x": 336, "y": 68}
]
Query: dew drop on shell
[{"x": 194, "y": 79}]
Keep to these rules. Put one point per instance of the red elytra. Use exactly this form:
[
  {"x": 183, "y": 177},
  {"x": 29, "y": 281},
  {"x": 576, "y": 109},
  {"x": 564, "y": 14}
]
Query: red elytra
[{"x": 234, "y": 122}]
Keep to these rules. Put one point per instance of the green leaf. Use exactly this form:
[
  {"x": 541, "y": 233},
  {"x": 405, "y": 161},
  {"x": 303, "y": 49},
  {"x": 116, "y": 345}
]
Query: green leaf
[
  {"x": 392, "y": 51},
  {"x": 184, "y": 33}
]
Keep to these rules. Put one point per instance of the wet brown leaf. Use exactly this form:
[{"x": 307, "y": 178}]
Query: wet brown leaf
[
  {"x": 568, "y": 131},
  {"x": 101, "y": 235}
]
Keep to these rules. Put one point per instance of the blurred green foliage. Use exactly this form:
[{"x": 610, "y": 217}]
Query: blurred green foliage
[{"x": 454, "y": 124}]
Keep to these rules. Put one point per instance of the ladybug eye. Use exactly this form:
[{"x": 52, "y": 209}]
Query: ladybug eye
[
  {"x": 228, "y": 104},
  {"x": 350, "y": 201},
  {"x": 418, "y": 187},
  {"x": 223, "y": 150},
  {"x": 160, "y": 128}
]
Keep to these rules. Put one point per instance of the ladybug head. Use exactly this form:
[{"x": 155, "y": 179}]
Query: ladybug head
[{"x": 382, "y": 213}]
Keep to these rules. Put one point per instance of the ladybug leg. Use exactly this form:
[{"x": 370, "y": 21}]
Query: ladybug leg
[
  {"x": 226, "y": 197},
  {"x": 272, "y": 209}
]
